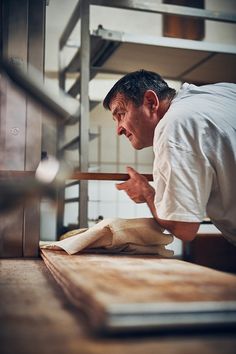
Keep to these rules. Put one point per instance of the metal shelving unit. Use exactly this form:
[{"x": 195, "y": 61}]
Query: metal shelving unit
[{"x": 107, "y": 51}]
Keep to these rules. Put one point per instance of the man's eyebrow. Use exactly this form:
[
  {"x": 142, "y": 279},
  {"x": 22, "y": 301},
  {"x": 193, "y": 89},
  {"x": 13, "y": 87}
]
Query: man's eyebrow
[{"x": 116, "y": 110}]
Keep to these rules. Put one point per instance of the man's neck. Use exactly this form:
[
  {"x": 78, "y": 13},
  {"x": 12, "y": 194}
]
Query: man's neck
[{"x": 163, "y": 107}]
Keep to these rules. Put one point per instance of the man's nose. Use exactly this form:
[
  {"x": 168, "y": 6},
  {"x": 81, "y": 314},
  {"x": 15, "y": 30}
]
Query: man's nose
[{"x": 120, "y": 130}]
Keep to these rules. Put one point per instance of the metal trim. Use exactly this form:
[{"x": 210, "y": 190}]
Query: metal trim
[
  {"x": 152, "y": 6},
  {"x": 189, "y": 44}
]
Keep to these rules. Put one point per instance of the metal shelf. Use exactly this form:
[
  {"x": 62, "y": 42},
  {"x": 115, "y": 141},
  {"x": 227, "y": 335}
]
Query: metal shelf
[{"x": 176, "y": 59}]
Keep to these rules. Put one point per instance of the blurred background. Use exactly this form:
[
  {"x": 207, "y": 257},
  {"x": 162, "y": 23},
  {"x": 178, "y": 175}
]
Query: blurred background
[{"x": 84, "y": 50}]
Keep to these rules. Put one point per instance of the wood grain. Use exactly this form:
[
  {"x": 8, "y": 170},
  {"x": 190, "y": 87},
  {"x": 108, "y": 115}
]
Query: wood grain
[
  {"x": 98, "y": 283},
  {"x": 78, "y": 175},
  {"x": 105, "y": 176},
  {"x": 37, "y": 318}
]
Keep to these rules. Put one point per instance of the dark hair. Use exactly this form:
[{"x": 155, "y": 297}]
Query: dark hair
[{"x": 135, "y": 84}]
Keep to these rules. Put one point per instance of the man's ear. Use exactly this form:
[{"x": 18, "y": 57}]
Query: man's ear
[{"x": 151, "y": 101}]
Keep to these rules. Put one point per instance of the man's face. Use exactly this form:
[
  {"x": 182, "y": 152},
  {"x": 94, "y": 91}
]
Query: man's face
[{"x": 134, "y": 122}]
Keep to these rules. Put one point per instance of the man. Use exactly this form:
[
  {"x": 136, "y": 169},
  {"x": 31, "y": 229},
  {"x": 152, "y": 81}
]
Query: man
[{"x": 193, "y": 134}]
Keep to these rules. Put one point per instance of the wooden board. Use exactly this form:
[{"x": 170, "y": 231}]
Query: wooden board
[
  {"x": 77, "y": 175},
  {"x": 115, "y": 290},
  {"x": 35, "y": 317},
  {"x": 105, "y": 176}
]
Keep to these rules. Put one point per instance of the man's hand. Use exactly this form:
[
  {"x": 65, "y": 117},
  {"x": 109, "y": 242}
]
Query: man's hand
[
  {"x": 140, "y": 191},
  {"x": 137, "y": 187}
]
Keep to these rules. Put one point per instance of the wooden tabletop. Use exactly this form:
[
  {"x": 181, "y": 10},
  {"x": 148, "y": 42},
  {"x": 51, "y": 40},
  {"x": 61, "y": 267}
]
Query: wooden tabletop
[{"x": 36, "y": 317}]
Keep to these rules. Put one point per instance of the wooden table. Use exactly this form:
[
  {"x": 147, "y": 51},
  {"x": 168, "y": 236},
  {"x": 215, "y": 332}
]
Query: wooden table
[{"x": 35, "y": 317}]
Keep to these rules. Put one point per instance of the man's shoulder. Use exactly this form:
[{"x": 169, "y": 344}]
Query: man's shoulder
[{"x": 176, "y": 117}]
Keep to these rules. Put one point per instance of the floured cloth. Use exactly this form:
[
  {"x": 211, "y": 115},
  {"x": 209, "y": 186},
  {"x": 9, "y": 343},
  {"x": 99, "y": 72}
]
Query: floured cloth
[{"x": 129, "y": 236}]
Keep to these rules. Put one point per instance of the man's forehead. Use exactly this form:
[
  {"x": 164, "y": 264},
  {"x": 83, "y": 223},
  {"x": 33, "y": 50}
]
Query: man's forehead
[{"x": 118, "y": 101}]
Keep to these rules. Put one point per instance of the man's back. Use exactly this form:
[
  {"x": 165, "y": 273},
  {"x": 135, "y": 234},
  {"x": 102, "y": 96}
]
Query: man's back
[{"x": 195, "y": 156}]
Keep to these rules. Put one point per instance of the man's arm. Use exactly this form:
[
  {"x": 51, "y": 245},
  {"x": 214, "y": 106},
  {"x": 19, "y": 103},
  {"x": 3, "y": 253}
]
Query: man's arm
[{"x": 140, "y": 191}]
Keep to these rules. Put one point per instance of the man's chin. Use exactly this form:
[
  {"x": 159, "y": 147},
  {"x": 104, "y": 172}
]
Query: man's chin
[
  {"x": 139, "y": 146},
  {"x": 136, "y": 145}
]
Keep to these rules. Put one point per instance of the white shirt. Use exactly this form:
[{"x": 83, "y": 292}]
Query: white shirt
[{"x": 195, "y": 157}]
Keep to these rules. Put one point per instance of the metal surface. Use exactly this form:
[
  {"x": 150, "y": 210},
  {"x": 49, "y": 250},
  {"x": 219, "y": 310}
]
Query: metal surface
[
  {"x": 110, "y": 35},
  {"x": 153, "y": 6},
  {"x": 74, "y": 143},
  {"x": 61, "y": 105},
  {"x": 100, "y": 50},
  {"x": 16, "y": 48},
  {"x": 13, "y": 120},
  {"x": 36, "y": 39},
  {"x": 176, "y": 59},
  {"x": 147, "y": 6},
  {"x": 84, "y": 112},
  {"x": 22, "y": 39},
  {"x": 15, "y": 190},
  {"x": 199, "y": 64},
  {"x": 20, "y": 187},
  {"x": 70, "y": 26}
]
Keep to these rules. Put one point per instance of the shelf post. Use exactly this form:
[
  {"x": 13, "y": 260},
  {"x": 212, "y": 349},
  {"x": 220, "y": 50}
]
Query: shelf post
[{"x": 84, "y": 113}]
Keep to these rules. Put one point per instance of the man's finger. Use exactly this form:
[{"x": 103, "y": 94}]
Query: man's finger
[
  {"x": 121, "y": 186},
  {"x": 131, "y": 171}
]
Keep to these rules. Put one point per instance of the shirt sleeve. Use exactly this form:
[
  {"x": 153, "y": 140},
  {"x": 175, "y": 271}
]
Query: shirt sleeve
[{"x": 182, "y": 182}]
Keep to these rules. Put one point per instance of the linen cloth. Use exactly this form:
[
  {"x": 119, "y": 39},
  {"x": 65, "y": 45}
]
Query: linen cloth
[{"x": 116, "y": 235}]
